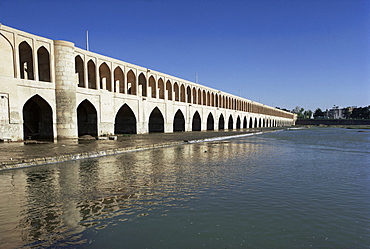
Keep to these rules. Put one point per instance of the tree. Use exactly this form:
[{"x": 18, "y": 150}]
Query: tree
[
  {"x": 361, "y": 113},
  {"x": 299, "y": 111},
  {"x": 347, "y": 112},
  {"x": 318, "y": 113},
  {"x": 307, "y": 114}
]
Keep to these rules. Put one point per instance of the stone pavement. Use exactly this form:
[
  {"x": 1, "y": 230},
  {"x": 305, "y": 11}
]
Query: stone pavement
[{"x": 19, "y": 154}]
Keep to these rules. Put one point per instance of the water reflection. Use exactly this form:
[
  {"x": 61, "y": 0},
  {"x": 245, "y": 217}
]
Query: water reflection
[
  {"x": 243, "y": 191},
  {"x": 54, "y": 203}
]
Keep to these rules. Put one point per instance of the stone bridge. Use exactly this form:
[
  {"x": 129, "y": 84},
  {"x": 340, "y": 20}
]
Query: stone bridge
[{"x": 50, "y": 89}]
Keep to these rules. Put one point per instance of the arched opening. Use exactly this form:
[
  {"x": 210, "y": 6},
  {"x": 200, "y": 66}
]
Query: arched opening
[
  {"x": 43, "y": 61},
  {"x": 125, "y": 121},
  {"x": 221, "y": 122},
  {"x": 161, "y": 88},
  {"x": 194, "y": 95},
  {"x": 182, "y": 93},
  {"x": 6, "y": 55},
  {"x": 179, "y": 122},
  {"x": 199, "y": 97},
  {"x": 153, "y": 86},
  {"x": 188, "y": 92},
  {"x": 177, "y": 91},
  {"x": 260, "y": 123},
  {"x": 217, "y": 101},
  {"x": 156, "y": 121},
  {"x": 169, "y": 89},
  {"x": 105, "y": 77},
  {"x": 196, "y": 124},
  {"x": 87, "y": 120},
  {"x": 245, "y": 125},
  {"x": 208, "y": 99},
  {"x": 131, "y": 83},
  {"x": 212, "y": 99},
  {"x": 250, "y": 122},
  {"x": 79, "y": 70},
  {"x": 119, "y": 80},
  {"x": 37, "y": 119},
  {"x": 91, "y": 76},
  {"x": 210, "y": 122},
  {"x": 230, "y": 123},
  {"x": 142, "y": 84},
  {"x": 25, "y": 61},
  {"x": 204, "y": 102},
  {"x": 238, "y": 122},
  {"x": 255, "y": 123}
]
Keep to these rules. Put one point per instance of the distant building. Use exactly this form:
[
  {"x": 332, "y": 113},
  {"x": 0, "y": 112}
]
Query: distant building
[{"x": 338, "y": 113}]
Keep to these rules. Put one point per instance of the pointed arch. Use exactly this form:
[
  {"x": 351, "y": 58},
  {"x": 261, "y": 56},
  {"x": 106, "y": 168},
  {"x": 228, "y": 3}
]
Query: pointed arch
[
  {"x": 179, "y": 121},
  {"x": 204, "y": 102},
  {"x": 156, "y": 121},
  {"x": 217, "y": 100},
  {"x": 91, "y": 74},
  {"x": 212, "y": 99},
  {"x": 105, "y": 77},
  {"x": 238, "y": 122},
  {"x": 37, "y": 119},
  {"x": 143, "y": 85},
  {"x": 210, "y": 122},
  {"x": 176, "y": 89},
  {"x": 26, "y": 61},
  {"x": 208, "y": 99},
  {"x": 196, "y": 124},
  {"x": 169, "y": 89},
  {"x": 188, "y": 93},
  {"x": 119, "y": 80},
  {"x": 87, "y": 119},
  {"x": 230, "y": 123},
  {"x": 194, "y": 95},
  {"x": 245, "y": 124},
  {"x": 125, "y": 121},
  {"x": 250, "y": 122},
  {"x": 43, "y": 62},
  {"x": 199, "y": 97},
  {"x": 221, "y": 122},
  {"x": 182, "y": 93},
  {"x": 161, "y": 88},
  {"x": 131, "y": 83},
  {"x": 80, "y": 71},
  {"x": 153, "y": 86}
]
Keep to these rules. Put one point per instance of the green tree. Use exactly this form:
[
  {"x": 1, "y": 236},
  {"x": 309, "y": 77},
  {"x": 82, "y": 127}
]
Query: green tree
[
  {"x": 347, "y": 112},
  {"x": 361, "y": 113},
  {"x": 307, "y": 114},
  {"x": 318, "y": 113},
  {"x": 299, "y": 111}
]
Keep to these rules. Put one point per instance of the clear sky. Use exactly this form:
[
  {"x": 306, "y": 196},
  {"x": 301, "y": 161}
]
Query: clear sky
[{"x": 285, "y": 53}]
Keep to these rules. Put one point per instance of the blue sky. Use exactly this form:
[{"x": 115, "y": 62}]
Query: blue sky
[{"x": 286, "y": 53}]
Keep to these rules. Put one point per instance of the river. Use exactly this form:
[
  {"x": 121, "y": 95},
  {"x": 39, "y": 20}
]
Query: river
[{"x": 297, "y": 188}]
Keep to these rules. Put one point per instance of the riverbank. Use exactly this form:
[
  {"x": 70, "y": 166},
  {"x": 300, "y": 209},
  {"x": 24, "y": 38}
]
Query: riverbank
[{"x": 32, "y": 153}]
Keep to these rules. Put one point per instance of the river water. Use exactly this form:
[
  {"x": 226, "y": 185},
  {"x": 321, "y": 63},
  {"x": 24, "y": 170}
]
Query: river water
[{"x": 307, "y": 188}]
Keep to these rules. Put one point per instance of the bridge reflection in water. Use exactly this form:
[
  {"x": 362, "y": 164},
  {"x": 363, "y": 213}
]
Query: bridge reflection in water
[{"x": 55, "y": 203}]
